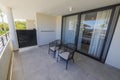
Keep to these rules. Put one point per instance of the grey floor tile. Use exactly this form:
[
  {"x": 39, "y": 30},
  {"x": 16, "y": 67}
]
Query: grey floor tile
[{"x": 36, "y": 64}]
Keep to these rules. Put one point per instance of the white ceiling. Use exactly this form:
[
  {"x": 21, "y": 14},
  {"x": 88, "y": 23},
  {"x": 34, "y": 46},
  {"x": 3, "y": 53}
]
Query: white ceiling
[{"x": 28, "y": 8}]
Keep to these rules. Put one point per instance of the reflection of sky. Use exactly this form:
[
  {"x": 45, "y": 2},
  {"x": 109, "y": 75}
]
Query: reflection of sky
[{"x": 91, "y": 23}]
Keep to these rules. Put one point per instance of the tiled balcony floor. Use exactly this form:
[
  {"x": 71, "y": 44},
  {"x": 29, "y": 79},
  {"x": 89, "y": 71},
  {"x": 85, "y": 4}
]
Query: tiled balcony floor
[{"x": 36, "y": 64}]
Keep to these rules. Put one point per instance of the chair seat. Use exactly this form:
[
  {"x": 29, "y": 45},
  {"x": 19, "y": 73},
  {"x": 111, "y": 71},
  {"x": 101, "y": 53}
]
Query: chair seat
[
  {"x": 53, "y": 48},
  {"x": 64, "y": 55},
  {"x": 60, "y": 50}
]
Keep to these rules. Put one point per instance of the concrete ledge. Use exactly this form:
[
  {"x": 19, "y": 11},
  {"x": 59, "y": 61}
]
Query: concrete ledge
[
  {"x": 9, "y": 76},
  {"x": 5, "y": 58}
]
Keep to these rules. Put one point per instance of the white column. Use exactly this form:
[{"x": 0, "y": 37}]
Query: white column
[{"x": 12, "y": 30}]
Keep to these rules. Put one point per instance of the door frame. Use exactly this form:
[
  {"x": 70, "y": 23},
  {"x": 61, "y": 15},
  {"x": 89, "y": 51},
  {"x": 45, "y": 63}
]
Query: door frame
[{"x": 113, "y": 7}]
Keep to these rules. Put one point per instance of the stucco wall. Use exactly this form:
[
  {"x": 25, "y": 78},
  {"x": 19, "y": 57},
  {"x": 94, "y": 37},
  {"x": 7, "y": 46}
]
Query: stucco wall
[
  {"x": 5, "y": 61},
  {"x": 48, "y": 27}
]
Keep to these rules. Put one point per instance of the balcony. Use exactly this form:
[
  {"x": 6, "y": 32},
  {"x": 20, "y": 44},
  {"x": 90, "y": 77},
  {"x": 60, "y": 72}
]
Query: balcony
[
  {"x": 94, "y": 30},
  {"x": 34, "y": 63},
  {"x": 3, "y": 40}
]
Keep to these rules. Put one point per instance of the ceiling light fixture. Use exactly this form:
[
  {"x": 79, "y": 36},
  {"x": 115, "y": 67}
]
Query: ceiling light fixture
[{"x": 70, "y": 9}]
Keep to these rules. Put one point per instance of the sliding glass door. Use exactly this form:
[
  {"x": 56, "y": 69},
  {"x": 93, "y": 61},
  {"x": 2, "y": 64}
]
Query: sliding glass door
[
  {"x": 69, "y": 29},
  {"x": 93, "y": 28}
]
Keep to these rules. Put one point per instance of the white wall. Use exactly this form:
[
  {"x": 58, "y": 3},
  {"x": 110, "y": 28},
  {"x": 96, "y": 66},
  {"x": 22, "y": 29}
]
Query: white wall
[
  {"x": 58, "y": 27},
  {"x": 47, "y": 28},
  {"x": 113, "y": 57},
  {"x": 30, "y": 24},
  {"x": 5, "y": 61}
]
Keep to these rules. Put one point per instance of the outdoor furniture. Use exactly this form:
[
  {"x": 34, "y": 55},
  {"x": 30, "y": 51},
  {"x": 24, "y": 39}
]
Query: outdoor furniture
[
  {"x": 54, "y": 46},
  {"x": 67, "y": 53}
]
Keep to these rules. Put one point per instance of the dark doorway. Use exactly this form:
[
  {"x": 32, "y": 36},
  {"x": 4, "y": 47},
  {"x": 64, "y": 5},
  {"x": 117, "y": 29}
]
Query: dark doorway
[{"x": 26, "y": 38}]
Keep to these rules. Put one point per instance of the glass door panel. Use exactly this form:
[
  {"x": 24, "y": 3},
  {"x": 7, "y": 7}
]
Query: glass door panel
[
  {"x": 92, "y": 33},
  {"x": 69, "y": 29}
]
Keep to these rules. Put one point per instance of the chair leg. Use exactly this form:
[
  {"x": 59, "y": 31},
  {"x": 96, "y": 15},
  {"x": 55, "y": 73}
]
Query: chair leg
[
  {"x": 73, "y": 60},
  {"x": 49, "y": 51},
  {"x": 57, "y": 58},
  {"x": 66, "y": 64},
  {"x": 54, "y": 54}
]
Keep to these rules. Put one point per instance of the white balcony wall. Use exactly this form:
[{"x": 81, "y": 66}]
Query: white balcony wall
[
  {"x": 5, "y": 57},
  {"x": 30, "y": 24},
  {"x": 48, "y": 28},
  {"x": 113, "y": 57},
  {"x": 58, "y": 27}
]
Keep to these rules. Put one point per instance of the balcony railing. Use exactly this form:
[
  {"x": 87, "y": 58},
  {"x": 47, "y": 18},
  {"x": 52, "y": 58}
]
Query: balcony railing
[{"x": 3, "y": 40}]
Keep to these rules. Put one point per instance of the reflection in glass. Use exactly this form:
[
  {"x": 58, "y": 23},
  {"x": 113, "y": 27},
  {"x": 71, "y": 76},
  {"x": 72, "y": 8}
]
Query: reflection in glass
[
  {"x": 93, "y": 31},
  {"x": 69, "y": 29}
]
